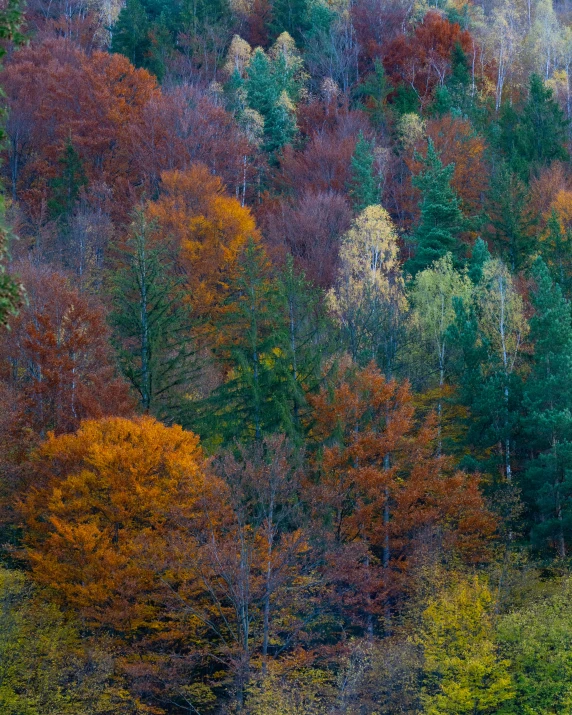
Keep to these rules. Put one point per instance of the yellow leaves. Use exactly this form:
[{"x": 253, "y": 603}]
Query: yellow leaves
[
  {"x": 239, "y": 53},
  {"x": 464, "y": 673},
  {"x": 369, "y": 265},
  {"x": 501, "y": 309}
]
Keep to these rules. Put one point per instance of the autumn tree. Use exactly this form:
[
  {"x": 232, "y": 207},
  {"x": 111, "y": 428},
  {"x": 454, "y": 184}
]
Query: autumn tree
[
  {"x": 380, "y": 483},
  {"x": 368, "y": 299},
  {"x": 206, "y": 230},
  {"x": 109, "y": 510},
  {"x": 45, "y": 663},
  {"x": 57, "y": 355},
  {"x": 464, "y": 671}
]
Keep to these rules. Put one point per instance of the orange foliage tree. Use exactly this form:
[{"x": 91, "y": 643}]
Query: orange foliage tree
[
  {"x": 207, "y": 229},
  {"x": 57, "y": 96},
  {"x": 111, "y": 509},
  {"x": 383, "y": 486},
  {"x": 56, "y": 355}
]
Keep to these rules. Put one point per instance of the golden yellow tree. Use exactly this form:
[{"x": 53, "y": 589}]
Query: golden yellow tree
[{"x": 368, "y": 298}]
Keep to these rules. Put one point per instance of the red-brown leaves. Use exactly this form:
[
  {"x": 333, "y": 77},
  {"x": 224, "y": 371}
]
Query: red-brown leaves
[{"x": 57, "y": 356}]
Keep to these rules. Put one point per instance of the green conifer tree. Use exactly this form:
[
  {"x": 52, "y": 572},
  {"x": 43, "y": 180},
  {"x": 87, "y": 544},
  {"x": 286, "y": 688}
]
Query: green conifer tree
[
  {"x": 479, "y": 256},
  {"x": 512, "y": 226},
  {"x": 362, "y": 187},
  {"x": 10, "y": 290},
  {"x": 130, "y": 35},
  {"x": 441, "y": 221},
  {"x": 67, "y": 185},
  {"x": 267, "y": 94},
  {"x": 257, "y": 396},
  {"x": 542, "y": 131},
  {"x": 548, "y": 420},
  {"x": 556, "y": 250},
  {"x": 374, "y": 91},
  {"x": 152, "y": 323},
  {"x": 291, "y": 16}
]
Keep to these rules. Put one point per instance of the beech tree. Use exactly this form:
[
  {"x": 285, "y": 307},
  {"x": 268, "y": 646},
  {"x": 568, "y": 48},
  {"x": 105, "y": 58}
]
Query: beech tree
[{"x": 57, "y": 355}]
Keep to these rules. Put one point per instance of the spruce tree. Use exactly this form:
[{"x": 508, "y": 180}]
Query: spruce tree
[
  {"x": 152, "y": 322},
  {"x": 374, "y": 90},
  {"x": 67, "y": 185},
  {"x": 267, "y": 95},
  {"x": 362, "y": 187},
  {"x": 131, "y": 33},
  {"x": 556, "y": 250},
  {"x": 542, "y": 132},
  {"x": 479, "y": 257},
  {"x": 252, "y": 346},
  {"x": 513, "y": 227},
  {"x": 291, "y": 16},
  {"x": 548, "y": 421},
  {"x": 441, "y": 222}
]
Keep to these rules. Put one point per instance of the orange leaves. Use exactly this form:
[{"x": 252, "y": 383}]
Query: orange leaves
[
  {"x": 382, "y": 481},
  {"x": 59, "y": 94},
  {"x": 208, "y": 228},
  {"x": 98, "y": 526}
]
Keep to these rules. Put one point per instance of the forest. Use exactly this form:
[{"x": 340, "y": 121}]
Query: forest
[{"x": 286, "y": 357}]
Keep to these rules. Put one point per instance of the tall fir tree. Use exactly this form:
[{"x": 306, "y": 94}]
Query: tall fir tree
[
  {"x": 267, "y": 95},
  {"x": 67, "y": 185},
  {"x": 512, "y": 228},
  {"x": 152, "y": 321},
  {"x": 131, "y": 33},
  {"x": 362, "y": 186},
  {"x": 556, "y": 251},
  {"x": 441, "y": 221},
  {"x": 542, "y": 131},
  {"x": 291, "y": 16},
  {"x": 547, "y": 482},
  {"x": 256, "y": 397}
]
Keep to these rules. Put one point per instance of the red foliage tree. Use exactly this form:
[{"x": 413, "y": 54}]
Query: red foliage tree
[
  {"x": 56, "y": 355},
  {"x": 310, "y": 229},
  {"x": 422, "y": 59},
  {"x": 382, "y": 484}
]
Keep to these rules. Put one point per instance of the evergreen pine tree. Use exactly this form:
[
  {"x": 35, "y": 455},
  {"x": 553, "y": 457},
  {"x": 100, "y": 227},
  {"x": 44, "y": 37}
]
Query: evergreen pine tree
[
  {"x": 291, "y": 16},
  {"x": 267, "y": 95},
  {"x": 256, "y": 398},
  {"x": 67, "y": 185},
  {"x": 152, "y": 323},
  {"x": 441, "y": 221},
  {"x": 479, "y": 256},
  {"x": 374, "y": 90},
  {"x": 513, "y": 228},
  {"x": 303, "y": 314},
  {"x": 362, "y": 187},
  {"x": 548, "y": 420},
  {"x": 542, "y": 131},
  {"x": 556, "y": 250},
  {"x": 131, "y": 33}
]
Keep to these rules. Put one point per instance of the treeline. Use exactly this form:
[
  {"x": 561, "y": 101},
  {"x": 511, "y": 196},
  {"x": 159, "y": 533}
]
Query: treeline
[{"x": 286, "y": 357}]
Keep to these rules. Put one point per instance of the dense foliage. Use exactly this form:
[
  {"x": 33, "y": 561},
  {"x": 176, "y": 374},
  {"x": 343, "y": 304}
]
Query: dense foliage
[{"x": 286, "y": 357}]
